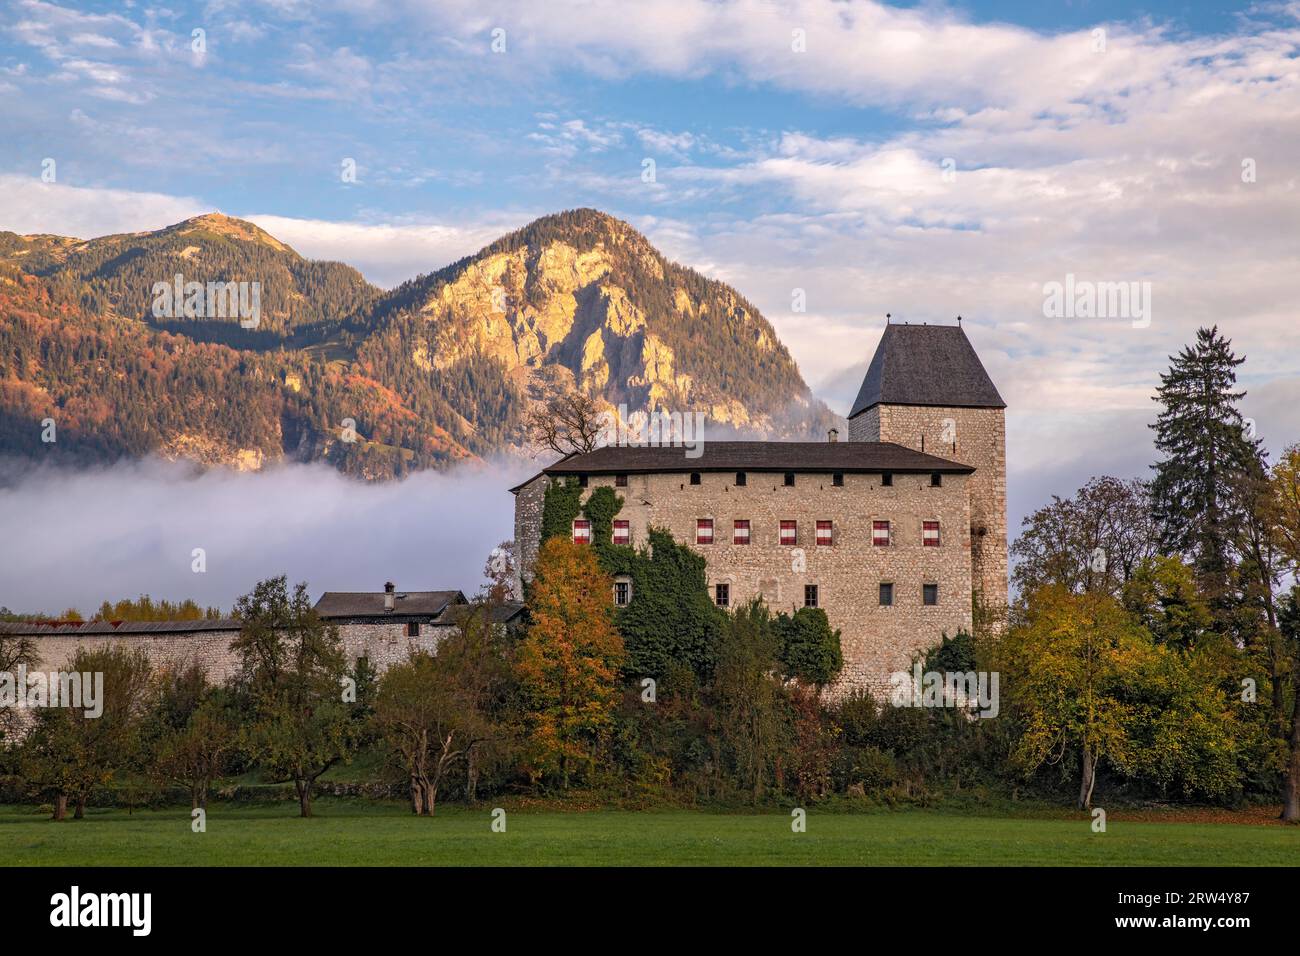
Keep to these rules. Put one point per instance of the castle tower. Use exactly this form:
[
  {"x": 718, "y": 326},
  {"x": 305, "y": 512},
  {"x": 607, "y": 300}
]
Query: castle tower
[{"x": 926, "y": 389}]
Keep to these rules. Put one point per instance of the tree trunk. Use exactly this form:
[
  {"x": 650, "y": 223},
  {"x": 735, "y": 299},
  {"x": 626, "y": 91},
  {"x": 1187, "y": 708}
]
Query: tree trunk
[
  {"x": 1291, "y": 797},
  {"x": 415, "y": 795},
  {"x": 60, "y": 807},
  {"x": 471, "y": 775},
  {"x": 1089, "y": 779},
  {"x": 303, "y": 786},
  {"x": 80, "y": 812}
]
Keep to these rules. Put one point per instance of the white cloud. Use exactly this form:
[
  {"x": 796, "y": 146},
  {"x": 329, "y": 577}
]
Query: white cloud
[
  {"x": 28, "y": 205},
  {"x": 430, "y": 531}
]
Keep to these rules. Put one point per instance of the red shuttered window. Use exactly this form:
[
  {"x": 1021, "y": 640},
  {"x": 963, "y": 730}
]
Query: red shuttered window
[
  {"x": 622, "y": 532},
  {"x": 740, "y": 532},
  {"x": 704, "y": 531},
  {"x": 825, "y": 533},
  {"x": 930, "y": 534},
  {"x": 789, "y": 532},
  {"x": 880, "y": 533},
  {"x": 581, "y": 531}
]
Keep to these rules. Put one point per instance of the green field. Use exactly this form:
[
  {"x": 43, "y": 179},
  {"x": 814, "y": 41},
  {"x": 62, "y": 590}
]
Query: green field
[{"x": 347, "y": 833}]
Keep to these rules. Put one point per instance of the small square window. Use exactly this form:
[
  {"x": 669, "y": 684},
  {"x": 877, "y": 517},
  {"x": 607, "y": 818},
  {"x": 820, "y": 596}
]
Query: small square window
[
  {"x": 887, "y": 480},
  {"x": 581, "y": 531},
  {"x": 740, "y": 531},
  {"x": 622, "y": 532},
  {"x": 837, "y": 479},
  {"x": 789, "y": 533},
  {"x": 582, "y": 481},
  {"x": 412, "y": 628},
  {"x": 740, "y": 479},
  {"x": 622, "y": 593},
  {"x": 695, "y": 477},
  {"x": 704, "y": 531},
  {"x": 929, "y": 594},
  {"x": 886, "y": 594},
  {"x": 936, "y": 480},
  {"x": 722, "y": 594},
  {"x": 789, "y": 479},
  {"x": 620, "y": 481},
  {"x": 810, "y": 595}
]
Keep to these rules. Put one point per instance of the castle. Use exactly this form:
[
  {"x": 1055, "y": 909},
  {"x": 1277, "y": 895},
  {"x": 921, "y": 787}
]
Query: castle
[{"x": 898, "y": 532}]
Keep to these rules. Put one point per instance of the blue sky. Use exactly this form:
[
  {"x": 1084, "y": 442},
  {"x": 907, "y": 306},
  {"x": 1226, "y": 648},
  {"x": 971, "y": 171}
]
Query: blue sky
[{"x": 1103, "y": 140}]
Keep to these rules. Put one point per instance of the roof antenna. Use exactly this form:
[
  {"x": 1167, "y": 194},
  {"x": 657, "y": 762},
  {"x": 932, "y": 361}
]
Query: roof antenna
[
  {"x": 959, "y": 321},
  {"x": 886, "y": 318}
]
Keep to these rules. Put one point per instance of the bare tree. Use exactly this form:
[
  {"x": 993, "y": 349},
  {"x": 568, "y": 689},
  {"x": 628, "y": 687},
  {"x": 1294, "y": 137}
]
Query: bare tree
[
  {"x": 1091, "y": 542},
  {"x": 566, "y": 423}
]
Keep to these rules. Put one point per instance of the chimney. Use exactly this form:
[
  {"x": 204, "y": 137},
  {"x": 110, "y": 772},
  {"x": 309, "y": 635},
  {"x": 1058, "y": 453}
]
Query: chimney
[
  {"x": 388, "y": 595},
  {"x": 833, "y": 435}
]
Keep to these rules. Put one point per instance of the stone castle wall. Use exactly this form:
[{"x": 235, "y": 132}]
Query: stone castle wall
[
  {"x": 876, "y": 640},
  {"x": 973, "y": 436},
  {"x": 385, "y": 643}
]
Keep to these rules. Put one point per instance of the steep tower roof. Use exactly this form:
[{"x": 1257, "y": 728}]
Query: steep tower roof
[{"x": 926, "y": 365}]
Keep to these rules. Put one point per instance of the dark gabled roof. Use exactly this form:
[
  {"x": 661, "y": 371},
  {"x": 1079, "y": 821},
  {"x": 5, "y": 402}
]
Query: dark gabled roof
[
  {"x": 757, "y": 456},
  {"x": 502, "y": 613},
  {"x": 926, "y": 365},
  {"x": 350, "y": 604},
  {"x": 109, "y": 628}
]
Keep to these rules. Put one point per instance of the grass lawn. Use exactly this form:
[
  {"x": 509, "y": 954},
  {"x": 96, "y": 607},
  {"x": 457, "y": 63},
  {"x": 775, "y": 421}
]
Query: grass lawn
[{"x": 385, "y": 834}]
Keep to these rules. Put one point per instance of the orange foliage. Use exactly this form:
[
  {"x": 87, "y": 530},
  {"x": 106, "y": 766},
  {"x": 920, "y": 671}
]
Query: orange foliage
[{"x": 568, "y": 664}]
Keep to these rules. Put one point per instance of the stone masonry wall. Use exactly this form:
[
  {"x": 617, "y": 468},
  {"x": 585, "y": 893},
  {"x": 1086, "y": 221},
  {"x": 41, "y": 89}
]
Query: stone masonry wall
[
  {"x": 385, "y": 643},
  {"x": 980, "y": 440},
  {"x": 528, "y": 528},
  {"x": 876, "y": 640}
]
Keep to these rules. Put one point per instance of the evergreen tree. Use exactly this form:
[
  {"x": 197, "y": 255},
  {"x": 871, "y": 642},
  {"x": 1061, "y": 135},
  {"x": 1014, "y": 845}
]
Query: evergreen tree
[{"x": 1196, "y": 494}]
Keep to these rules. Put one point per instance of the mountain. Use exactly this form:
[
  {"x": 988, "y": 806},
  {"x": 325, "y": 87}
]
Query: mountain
[
  {"x": 298, "y": 299},
  {"x": 440, "y": 369}
]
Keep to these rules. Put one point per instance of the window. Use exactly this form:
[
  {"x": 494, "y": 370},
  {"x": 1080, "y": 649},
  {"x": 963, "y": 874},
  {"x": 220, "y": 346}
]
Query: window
[
  {"x": 929, "y": 594},
  {"x": 886, "y": 594},
  {"x": 789, "y": 479},
  {"x": 412, "y": 628},
  {"x": 887, "y": 480},
  {"x": 740, "y": 532},
  {"x": 930, "y": 534},
  {"x": 740, "y": 479},
  {"x": 880, "y": 534},
  {"x": 789, "y": 533},
  {"x": 810, "y": 595},
  {"x": 620, "y": 481},
  {"x": 581, "y": 531},
  {"x": 622, "y": 532},
  {"x": 622, "y": 593},
  {"x": 722, "y": 594},
  {"x": 837, "y": 479},
  {"x": 936, "y": 479},
  {"x": 582, "y": 481},
  {"x": 704, "y": 531},
  {"x": 825, "y": 533},
  {"x": 695, "y": 477}
]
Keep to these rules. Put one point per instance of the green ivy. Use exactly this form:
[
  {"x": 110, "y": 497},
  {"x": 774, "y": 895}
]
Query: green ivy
[{"x": 562, "y": 503}]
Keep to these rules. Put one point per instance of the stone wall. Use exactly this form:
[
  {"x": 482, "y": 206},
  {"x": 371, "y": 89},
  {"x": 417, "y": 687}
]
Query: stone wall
[
  {"x": 876, "y": 640},
  {"x": 528, "y": 528},
  {"x": 385, "y": 643},
  {"x": 211, "y": 648},
  {"x": 973, "y": 436}
]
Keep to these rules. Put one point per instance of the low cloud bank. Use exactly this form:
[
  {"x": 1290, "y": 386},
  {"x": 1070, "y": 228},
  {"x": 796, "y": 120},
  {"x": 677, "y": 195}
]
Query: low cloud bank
[{"x": 77, "y": 538}]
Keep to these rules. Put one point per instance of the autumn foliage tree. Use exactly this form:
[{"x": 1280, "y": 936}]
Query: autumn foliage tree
[{"x": 568, "y": 664}]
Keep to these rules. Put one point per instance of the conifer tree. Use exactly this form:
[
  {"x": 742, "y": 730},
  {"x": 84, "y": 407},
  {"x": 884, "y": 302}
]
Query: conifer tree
[{"x": 1197, "y": 490}]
